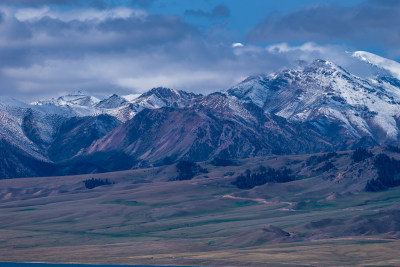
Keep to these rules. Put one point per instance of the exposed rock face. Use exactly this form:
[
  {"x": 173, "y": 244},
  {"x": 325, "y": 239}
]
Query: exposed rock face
[{"x": 215, "y": 126}]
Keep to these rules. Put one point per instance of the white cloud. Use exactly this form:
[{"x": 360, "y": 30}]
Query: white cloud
[
  {"x": 237, "y": 45},
  {"x": 306, "y": 47},
  {"x": 310, "y": 51},
  {"x": 32, "y": 13},
  {"x": 87, "y": 14}
]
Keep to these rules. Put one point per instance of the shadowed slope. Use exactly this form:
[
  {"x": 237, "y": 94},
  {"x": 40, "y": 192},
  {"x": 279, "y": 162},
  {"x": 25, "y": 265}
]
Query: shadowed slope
[{"x": 78, "y": 133}]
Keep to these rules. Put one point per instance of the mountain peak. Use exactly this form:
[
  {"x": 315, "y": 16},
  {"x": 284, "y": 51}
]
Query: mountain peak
[
  {"x": 161, "y": 92},
  {"x": 321, "y": 63},
  {"x": 323, "y": 91},
  {"x": 77, "y": 98},
  {"x": 113, "y": 101},
  {"x": 327, "y": 67}
]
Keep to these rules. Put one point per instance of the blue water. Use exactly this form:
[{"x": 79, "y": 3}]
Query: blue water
[{"x": 12, "y": 264}]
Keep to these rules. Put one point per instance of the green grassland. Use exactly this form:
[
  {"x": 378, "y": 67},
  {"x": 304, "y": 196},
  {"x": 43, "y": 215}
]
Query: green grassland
[{"x": 146, "y": 219}]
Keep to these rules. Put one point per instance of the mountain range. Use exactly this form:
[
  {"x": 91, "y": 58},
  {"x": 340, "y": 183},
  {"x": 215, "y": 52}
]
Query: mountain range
[{"x": 314, "y": 107}]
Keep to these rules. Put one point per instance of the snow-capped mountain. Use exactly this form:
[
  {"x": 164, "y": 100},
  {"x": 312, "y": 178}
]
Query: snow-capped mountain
[
  {"x": 74, "y": 104},
  {"x": 153, "y": 99},
  {"x": 46, "y": 116},
  {"x": 325, "y": 94},
  {"x": 58, "y": 128},
  {"x": 21, "y": 142},
  {"x": 12, "y": 113},
  {"x": 315, "y": 107},
  {"x": 122, "y": 107},
  {"x": 74, "y": 99}
]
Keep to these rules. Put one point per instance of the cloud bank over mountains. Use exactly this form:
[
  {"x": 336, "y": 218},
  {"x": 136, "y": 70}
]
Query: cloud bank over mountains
[
  {"x": 49, "y": 49},
  {"x": 373, "y": 23}
]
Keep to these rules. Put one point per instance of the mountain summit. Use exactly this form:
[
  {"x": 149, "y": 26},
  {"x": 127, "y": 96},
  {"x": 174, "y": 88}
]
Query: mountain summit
[{"x": 326, "y": 95}]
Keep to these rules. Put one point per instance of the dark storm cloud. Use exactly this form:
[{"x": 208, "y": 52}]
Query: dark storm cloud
[
  {"x": 44, "y": 50},
  {"x": 372, "y": 22},
  {"x": 47, "y": 50},
  {"x": 33, "y": 41},
  {"x": 154, "y": 29},
  {"x": 218, "y": 11}
]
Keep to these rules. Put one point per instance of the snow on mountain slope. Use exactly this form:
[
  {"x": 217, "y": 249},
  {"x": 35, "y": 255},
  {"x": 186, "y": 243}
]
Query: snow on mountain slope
[
  {"x": 11, "y": 119},
  {"x": 392, "y": 66},
  {"x": 153, "y": 99},
  {"x": 122, "y": 107},
  {"x": 33, "y": 127},
  {"x": 321, "y": 89},
  {"x": 131, "y": 97},
  {"x": 112, "y": 102},
  {"x": 222, "y": 106},
  {"x": 74, "y": 99},
  {"x": 164, "y": 97},
  {"x": 76, "y": 104}
]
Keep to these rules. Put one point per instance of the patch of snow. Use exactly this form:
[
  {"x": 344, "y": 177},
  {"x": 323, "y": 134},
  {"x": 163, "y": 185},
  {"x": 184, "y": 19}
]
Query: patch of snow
[
  {"x": 390, "y": 65},
  {"x": 131, "y": 97}
]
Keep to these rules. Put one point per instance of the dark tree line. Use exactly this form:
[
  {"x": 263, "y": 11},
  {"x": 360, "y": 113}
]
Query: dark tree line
[
  {"x": 327, "y": 167},
  {"x": 188, "y": 169},
  {"x": 361, "y": 154},
  {"x": 314, "y": 160},
  {"x": 388, "y": 174},
  {"x": 249, "y": 180},
  {"x": 92, "y": 183}
]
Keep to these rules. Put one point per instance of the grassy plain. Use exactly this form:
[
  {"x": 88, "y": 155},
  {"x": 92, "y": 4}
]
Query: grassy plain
[{"x": 145, "y": 219}]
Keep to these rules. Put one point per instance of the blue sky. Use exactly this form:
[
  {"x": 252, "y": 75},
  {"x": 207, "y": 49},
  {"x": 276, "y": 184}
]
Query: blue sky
[{"x": 52, "y": 47}]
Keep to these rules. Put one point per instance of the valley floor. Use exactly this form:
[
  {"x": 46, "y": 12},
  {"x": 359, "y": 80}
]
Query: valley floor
[{"x": 145, "y": 219}]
